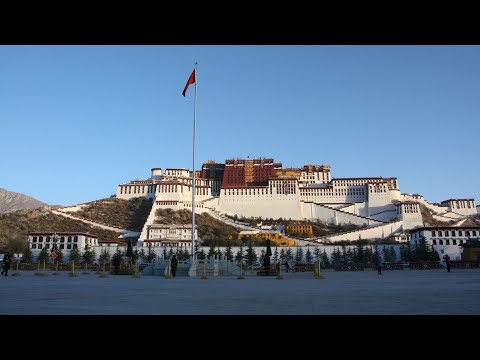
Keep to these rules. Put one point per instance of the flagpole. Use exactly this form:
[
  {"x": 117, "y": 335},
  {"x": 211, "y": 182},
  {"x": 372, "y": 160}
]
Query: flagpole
[{"x": 193, "y": 169}]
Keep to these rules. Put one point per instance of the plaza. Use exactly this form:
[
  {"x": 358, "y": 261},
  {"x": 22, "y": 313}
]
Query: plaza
[{"x": 396, "y": 292}]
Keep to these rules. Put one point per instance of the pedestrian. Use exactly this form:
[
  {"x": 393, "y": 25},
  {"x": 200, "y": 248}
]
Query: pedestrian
[
  {"x": 447, "y": 261},
  {"x": 379, "y": 265},
  {"x": 6, "y": 264},
  {"x": 173, "y": 265},
  {"x": 287, "y": 266}
]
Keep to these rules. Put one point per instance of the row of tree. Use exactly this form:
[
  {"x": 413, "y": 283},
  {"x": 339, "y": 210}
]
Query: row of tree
[{"x": 420, "y": 251}]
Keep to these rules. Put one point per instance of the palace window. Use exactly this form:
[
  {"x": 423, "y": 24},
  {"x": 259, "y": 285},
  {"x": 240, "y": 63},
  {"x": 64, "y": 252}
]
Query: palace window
[
  {"x": 447, "y": 242},
  {"x": 460, "y": 233},
  {"x": 34, "y": 239},
  {"x": 440, "y": 242},
  {"x": 454, "y": 242},
  {"x": 434, "y": 242},
  {"x": 467, "y": 233},
  {"x": 440, "y": 233},
  {"x": 474, "y": 233},
  {"x": 69, "y": 246},
  {"x": 453, "y": 233},
  {"x": 40, "y": 239},
  {"x": 433, "y": 233},
  {"x": 446, "y": 233}
]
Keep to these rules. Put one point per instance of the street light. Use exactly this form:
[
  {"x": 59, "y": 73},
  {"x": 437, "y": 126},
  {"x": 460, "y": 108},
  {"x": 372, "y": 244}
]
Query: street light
[{"x": 53, "y": 253}]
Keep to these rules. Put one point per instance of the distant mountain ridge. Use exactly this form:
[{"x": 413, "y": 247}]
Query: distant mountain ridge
[{"x": 12, "y": 201}]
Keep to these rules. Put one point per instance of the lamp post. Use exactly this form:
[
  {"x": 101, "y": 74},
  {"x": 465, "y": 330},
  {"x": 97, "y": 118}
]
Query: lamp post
[
  {"x": 17, "y": 257},
  {"x": 53, "y": 253}
]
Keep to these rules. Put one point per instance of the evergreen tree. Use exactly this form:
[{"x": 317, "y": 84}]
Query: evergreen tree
[
  {"x": 135, "y": 255},
  {"x": 218, "y": 253},
  {"x": 251, "y": 255},
  {"x": 195, "y": 248},
  {"x": 393, "y": 254},
  {"x": 409, "y": 252},
  {"x": 403, "y": 253},
  {"x": 27, "y": 255},
  {"x": 275, "y": 255},
  {"x": 239, "y": 256},
  {"x": 337, "y": 256},
  {"x": 375, "y": 253},
  {"x": 368, "y": 255},
  {"x": 74, "y": 256},
  {"x": 201, "y": 254},
  {"x": 289, "y": 255},
  {"x": 299, "y": 255},
  {"x": 308, "y": 256},
  {"x": 59, "y": 254},
  {"x": 318, "y": 253},
  {"x": 88, "y": 255},
  {"x": 344, "y": 253},
  {"x": 262, "y": 254},
  {"x": 211, "y": 250},
  {"x": 434, "y": 256},
  {"x": 350, "y": 254},
  {"x": 170, "y": 252},
  {"x": 117, "y": 259},
  {"x": 104, "y": 257},
  {"x": 228, "y": 252},
  {"x": 180, "y": 255},
  {"x": 359, "y": 253},
  {"x": 165, "y": 255},
  {"x": 386, "y": 254},
  {"x": 324, "y": 258},
  {"x": 151, "y": 255},
  {"x": 282, "y": 255},
  {"x": 142, "y": 254},
  {"x": 422, "y": 250},
  {"x": 43, "y": 256}
]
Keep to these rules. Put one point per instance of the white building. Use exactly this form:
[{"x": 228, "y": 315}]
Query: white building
[
  {"x": 309, "y": 193},
  {"x": 67, "y": 241},
  {"x": 169, "y": 235},
  {"x": 461, "y": 206},
  {"x": 446, "y": 239},
  {"x": 63, "y": 240}
]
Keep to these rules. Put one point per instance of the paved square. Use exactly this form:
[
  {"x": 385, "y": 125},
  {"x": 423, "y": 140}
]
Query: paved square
[{"x": 398, "y": 292}]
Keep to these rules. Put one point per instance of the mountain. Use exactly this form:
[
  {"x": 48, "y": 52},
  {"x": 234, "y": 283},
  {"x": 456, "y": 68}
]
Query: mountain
[{"x": 11, "y": 201}]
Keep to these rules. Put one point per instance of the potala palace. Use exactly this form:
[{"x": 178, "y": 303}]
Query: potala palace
[{"x": 263, "y": 188}]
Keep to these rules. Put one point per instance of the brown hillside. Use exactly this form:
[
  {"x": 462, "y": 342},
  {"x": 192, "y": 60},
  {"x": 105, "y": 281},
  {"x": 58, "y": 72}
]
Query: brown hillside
[
  {"x": 207, "y": 226},
  {"x": 126, "y": 214},
  {"x": 15, "y": 226}
]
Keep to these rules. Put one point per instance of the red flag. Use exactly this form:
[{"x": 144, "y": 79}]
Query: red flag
[{"x": 191, "y": 80}]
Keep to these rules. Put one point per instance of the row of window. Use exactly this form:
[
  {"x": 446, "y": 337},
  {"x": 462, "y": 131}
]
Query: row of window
[
  {"x": 48, "y": 239},
  {"x": 47, "y": 246},
  {"x": 453, "y": 232},
  {"x": 447, "y": 242}
]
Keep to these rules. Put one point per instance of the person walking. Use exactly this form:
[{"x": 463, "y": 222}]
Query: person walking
[
  {"x": 379, "y": 265},
  {"x": 6, "y": 264},
  {"x": 447, "y": 261},
  {"x": 173, "y": 265}
]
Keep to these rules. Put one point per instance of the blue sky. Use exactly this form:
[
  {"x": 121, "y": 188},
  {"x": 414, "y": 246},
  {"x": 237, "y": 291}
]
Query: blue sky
[{"x": 76, "y": 121}]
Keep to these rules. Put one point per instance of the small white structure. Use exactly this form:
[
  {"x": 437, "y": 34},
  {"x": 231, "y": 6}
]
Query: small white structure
[
  {"x": 461, "y": 206},
  {"x": 169, "y": 235}
]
